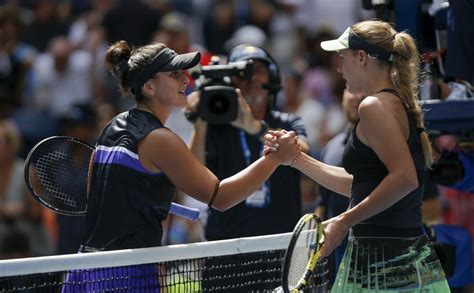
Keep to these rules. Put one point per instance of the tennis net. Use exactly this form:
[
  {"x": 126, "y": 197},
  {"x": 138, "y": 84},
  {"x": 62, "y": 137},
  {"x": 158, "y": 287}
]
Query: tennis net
[{"x": 238, "y": 265}]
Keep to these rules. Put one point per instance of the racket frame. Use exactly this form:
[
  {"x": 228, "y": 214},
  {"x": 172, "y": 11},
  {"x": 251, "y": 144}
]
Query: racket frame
[
  {"x": 314, "y": 253},
  {"x": 189, "y": 213},
  {"x": 27, "y": 175}
]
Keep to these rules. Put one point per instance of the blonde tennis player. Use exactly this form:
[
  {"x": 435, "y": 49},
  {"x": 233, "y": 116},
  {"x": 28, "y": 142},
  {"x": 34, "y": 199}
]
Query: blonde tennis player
[{"x": 383, "y": 165}]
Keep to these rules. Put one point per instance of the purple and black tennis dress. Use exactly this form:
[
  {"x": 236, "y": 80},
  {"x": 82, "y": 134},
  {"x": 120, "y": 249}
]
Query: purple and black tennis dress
[{"x": 126, "y": 205}]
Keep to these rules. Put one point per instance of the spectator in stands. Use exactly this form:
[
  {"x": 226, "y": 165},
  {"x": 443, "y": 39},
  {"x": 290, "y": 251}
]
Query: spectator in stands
[
  {"x": 45, "y": 25},
  {"x": 219, "y": 25},
  {"x": 18, "y": 210},
  {"x": 62, "y": 77},
  {"x": 130, "y": 20},
  {"x": 16, "y": 58},
  {"x": 14, "y": 243}
]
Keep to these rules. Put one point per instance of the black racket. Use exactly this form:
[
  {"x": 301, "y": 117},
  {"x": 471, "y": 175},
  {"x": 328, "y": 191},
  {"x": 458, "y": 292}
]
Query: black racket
[
  {"x": 56, "y": 174},
  {"x": 302, "y": 253}
]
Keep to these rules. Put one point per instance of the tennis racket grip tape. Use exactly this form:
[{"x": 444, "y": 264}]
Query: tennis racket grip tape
[{"x": 184, "y": 211}]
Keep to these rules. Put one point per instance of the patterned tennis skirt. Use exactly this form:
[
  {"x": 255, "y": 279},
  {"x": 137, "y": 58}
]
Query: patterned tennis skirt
[{"x": 389, "y": 264}]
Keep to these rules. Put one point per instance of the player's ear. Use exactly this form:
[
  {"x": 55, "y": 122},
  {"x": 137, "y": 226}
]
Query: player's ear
[
  {"x": 148, "y": 88},
  {"x": 362, "y": 57}
]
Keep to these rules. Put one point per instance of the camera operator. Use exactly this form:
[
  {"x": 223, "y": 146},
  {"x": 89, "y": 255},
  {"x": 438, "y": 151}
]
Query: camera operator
[{"x": 229, "y": 147}]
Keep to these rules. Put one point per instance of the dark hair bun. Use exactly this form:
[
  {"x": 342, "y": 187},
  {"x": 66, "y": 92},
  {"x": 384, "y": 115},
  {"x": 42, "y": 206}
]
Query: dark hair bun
[{"x": 117, "y": 56}]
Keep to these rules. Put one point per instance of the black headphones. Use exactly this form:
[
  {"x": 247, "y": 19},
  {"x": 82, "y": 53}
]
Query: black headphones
[{"x": 246, "y": 52}]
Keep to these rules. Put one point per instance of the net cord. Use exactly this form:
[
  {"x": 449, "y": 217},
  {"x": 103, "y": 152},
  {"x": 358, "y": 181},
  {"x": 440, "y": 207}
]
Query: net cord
[{"x": 104, "y": 259}]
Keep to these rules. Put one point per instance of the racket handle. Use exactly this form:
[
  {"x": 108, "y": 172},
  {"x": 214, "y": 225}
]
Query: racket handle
[{"x": 184, "y": 211}]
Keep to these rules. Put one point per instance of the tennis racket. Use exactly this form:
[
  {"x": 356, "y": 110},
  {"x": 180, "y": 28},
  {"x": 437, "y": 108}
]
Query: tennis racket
[
  {"x": 56, "y": 174},
  {"x": 302, "y": 253}
]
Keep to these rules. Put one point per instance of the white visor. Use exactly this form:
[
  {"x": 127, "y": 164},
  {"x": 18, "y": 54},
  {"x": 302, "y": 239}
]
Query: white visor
[{"x": 339, "y": 44}]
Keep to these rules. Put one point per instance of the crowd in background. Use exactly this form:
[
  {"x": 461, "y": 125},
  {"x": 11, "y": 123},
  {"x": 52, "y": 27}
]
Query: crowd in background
[{"x": 53, "y": 82}]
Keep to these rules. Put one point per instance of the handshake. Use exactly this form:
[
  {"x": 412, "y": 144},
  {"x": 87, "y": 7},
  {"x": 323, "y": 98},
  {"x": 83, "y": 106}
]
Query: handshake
[{"x": 284, "y": 145}]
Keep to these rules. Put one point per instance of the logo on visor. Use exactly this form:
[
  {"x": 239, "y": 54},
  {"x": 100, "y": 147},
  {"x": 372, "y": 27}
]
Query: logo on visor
[{"x": 250, "y": 49}]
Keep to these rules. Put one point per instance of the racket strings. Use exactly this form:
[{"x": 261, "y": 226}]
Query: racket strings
[
  {"x": 58, "y": 173},
  {"x": 307, "y": 242},
  {"x": 43, "y": 164}
]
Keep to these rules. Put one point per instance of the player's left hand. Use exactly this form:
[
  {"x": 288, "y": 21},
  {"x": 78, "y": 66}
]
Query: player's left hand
[{"x": 335, "y": 230}]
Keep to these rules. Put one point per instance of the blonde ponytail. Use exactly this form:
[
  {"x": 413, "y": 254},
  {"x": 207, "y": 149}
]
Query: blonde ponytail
[
  {"x": 405, "y": 76},
  {"x": 404, "y": 66}
]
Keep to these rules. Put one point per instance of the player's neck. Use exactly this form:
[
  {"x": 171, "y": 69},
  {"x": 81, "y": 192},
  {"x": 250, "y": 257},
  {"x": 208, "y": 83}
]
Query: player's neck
[{"x": 160, "y": 112}]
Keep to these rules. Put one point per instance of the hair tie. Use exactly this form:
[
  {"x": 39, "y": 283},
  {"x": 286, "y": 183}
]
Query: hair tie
[
  {"x": 393, "y": 36},
  {"x": 420, "y": 130}
]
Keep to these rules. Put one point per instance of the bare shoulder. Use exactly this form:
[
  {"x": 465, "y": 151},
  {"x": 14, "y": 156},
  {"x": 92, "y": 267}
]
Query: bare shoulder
[
  {"x": 377, "y": 118},
  {"x": 159, "y": 142},
  {"x": 159, "y": 147},
  {"x": 372, "y": 105},
  {"x": 163, "y": 137}
]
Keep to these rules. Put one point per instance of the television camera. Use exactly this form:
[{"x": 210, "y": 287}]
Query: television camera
[{"x": 218, "y": 102}]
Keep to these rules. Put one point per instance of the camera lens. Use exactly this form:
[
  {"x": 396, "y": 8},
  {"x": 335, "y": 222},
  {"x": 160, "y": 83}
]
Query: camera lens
[{"x": 219, "y": 104}]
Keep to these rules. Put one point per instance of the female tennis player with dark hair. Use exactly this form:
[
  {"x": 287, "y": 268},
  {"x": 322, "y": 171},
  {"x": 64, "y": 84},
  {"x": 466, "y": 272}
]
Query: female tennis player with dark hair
[
  {"x": 138, "y": 162},
  {"x": 383, "y": 165}
]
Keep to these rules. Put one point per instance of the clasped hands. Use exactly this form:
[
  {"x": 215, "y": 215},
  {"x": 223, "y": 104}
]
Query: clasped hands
[
  {"x": 284, "y": 144},
  {"x": 279, "y": 142}
]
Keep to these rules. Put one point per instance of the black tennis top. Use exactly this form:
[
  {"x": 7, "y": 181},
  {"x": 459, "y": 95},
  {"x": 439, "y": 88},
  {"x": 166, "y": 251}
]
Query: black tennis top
[
  {"x": 368, "y": 171},
  {"x": 126, "y": 201}
]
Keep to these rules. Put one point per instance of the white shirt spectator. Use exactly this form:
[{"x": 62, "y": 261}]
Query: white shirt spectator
[
  {"x": 334, "y": 14},
  {"x": 57, "y": 91}
]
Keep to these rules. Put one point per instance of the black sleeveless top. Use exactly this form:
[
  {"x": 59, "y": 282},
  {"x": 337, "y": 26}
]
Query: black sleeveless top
[
  {"x": 368, "y": 171},
  {"x": 126, "y": 201}
]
